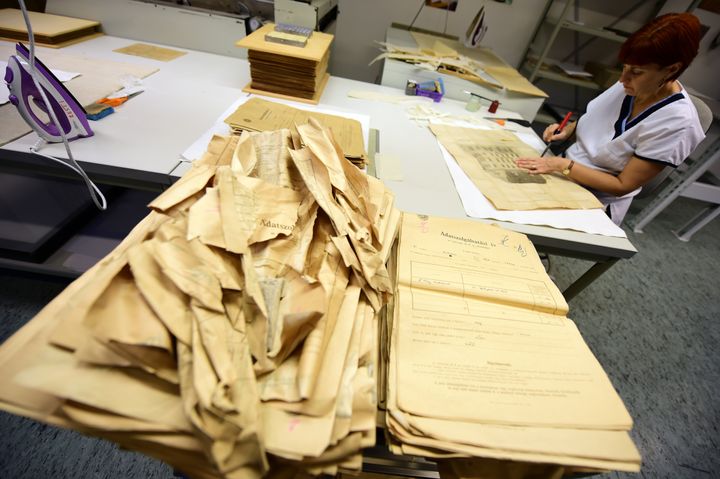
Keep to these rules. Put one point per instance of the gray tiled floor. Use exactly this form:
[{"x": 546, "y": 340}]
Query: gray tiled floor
[{"x": 653, "y": 322}]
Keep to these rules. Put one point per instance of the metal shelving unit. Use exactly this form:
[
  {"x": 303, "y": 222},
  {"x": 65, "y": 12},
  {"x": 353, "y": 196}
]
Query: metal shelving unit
[
  {"x": 534, "y": 63},
  {"x": 597, "y": 32},
  {"x": 537, "y": 64},
  {"x": 560, "y": 77}
]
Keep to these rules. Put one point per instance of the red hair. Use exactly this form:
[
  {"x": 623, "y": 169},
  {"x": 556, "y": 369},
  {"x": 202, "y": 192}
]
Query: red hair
[{"x": 670, "y": 38}]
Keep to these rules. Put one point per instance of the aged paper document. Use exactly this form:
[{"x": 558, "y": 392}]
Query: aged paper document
[
  {"x": 151, "y": 51},
  {"x": 233, "y": 333},
  {"x": 479, "y": 298},
  {"x": 257, "y": 114},
  {"x": 477, "y": 324},
  {"x": 479, "y": 65},
  {"x": 488, "y": 158}
]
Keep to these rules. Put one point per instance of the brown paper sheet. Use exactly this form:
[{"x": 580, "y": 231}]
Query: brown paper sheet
[{"x": 151, "y": 51}]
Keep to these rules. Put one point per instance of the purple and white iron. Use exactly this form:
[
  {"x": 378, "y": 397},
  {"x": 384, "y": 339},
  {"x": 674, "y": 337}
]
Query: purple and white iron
[{"x": 70, "y": 114}]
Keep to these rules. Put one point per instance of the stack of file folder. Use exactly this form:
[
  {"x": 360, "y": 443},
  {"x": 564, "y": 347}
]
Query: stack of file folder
[
  {"x": 484, "y": 368},
  {"x": 55, "y": 31},
  {"x": 233, "y": 333},
  {"x": 288, "y": 71}
]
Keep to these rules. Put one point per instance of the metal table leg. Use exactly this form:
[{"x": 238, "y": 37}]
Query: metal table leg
[{"x": 588, "y": 277}]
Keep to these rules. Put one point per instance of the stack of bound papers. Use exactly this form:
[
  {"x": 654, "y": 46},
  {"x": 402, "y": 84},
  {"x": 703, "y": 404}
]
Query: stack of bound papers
[
  {"x": 484, "y": 364},
  {"x": 49, "y": 30},
  {"x": 260, "y": 115},
  {"x": 287, "y": 71},
  {"x": 233, "y": 333}
]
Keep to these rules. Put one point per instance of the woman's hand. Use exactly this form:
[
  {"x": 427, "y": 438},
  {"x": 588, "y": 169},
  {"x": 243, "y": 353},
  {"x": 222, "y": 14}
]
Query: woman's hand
[
  {"x": 542, "y": 164},
  {"x": 549, "y": 133}
]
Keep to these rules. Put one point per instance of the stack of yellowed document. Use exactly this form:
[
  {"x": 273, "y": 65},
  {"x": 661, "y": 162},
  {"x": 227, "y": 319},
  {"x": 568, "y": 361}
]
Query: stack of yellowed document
[
  {"x": 488, "y": 158},
  {"x": 233, "y": 332},
  {"x": 257, "y": 114},
  {"x": 478, "y": 65},
  {"x": 484, "y": 364}
]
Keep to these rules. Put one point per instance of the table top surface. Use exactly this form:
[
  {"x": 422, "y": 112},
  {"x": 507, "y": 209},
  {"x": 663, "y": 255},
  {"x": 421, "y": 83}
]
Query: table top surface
[{"x": 188, "y": 94}]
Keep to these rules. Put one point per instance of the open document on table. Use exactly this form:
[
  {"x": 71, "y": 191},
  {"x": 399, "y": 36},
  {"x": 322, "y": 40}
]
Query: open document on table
[
  {"x": 488, "y": 158},
  {"x": 483, "y": 361},
  {"x": 476, "y": 205}
]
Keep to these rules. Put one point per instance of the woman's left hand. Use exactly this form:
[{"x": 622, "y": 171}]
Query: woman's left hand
[{"x": 540, "y": 165}]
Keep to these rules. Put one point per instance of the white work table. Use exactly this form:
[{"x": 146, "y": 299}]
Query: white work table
[
  {"x": 428, "y": 188},
  {"x": 396, "y": 73},
  {"x": 140, "y": 144},
  {"x": 142, "y": 140}
]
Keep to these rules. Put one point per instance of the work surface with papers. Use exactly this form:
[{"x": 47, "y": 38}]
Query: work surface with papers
[
  {"x": 141, "y": 143},
  {"x": 140, "y": 146}
]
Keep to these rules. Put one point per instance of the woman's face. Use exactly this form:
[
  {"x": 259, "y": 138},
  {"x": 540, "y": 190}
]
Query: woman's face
[{"x": 642, "y": 80}]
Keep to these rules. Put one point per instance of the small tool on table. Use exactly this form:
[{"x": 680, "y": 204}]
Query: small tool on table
[
  {"x": 519, "y": 121},
  {"x": 558, "y": 130},
  {"x": 434, "y": 89}
]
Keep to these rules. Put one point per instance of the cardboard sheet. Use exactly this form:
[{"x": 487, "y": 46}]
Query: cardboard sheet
[
  {"x": 98, "y": 78},
  {"x": 151, "y": 51}
]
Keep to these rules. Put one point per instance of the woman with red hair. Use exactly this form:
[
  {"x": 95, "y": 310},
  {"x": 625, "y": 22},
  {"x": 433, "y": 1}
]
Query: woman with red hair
[{"x": 638, "y": 126}]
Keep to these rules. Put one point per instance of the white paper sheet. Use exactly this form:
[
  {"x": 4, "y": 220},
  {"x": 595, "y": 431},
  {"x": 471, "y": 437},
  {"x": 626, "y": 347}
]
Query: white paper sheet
[
  {"x": 199, "y": 146},
  {"x": 61, "y": 75},
  {"x": 477, "y": 206}
]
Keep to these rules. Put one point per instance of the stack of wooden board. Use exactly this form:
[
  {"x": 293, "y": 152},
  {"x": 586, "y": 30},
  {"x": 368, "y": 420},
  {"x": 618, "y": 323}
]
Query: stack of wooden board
[
  {"x": 50, "y": 30},
  {"x": 287, "y": 71}
]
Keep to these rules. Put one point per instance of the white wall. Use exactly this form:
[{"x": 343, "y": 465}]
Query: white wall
[
  {"x": 160, "y": 24},
  {"x": 362, "y": 22},
  {"x": 704, "y": 73}
]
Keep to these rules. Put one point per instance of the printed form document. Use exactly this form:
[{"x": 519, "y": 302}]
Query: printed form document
[{"x": 483, "y": 358}]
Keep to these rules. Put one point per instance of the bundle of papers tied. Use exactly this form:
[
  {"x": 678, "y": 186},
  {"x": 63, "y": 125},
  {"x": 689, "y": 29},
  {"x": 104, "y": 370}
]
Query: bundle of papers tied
[{"x": 233, "y": 332}]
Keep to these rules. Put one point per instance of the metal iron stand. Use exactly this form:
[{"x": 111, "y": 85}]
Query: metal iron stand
[{"x": 588, "y": 277}]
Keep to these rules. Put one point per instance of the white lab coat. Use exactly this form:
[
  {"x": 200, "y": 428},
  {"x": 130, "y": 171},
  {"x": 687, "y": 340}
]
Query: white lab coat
[{"x": 666, "y": 132}]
